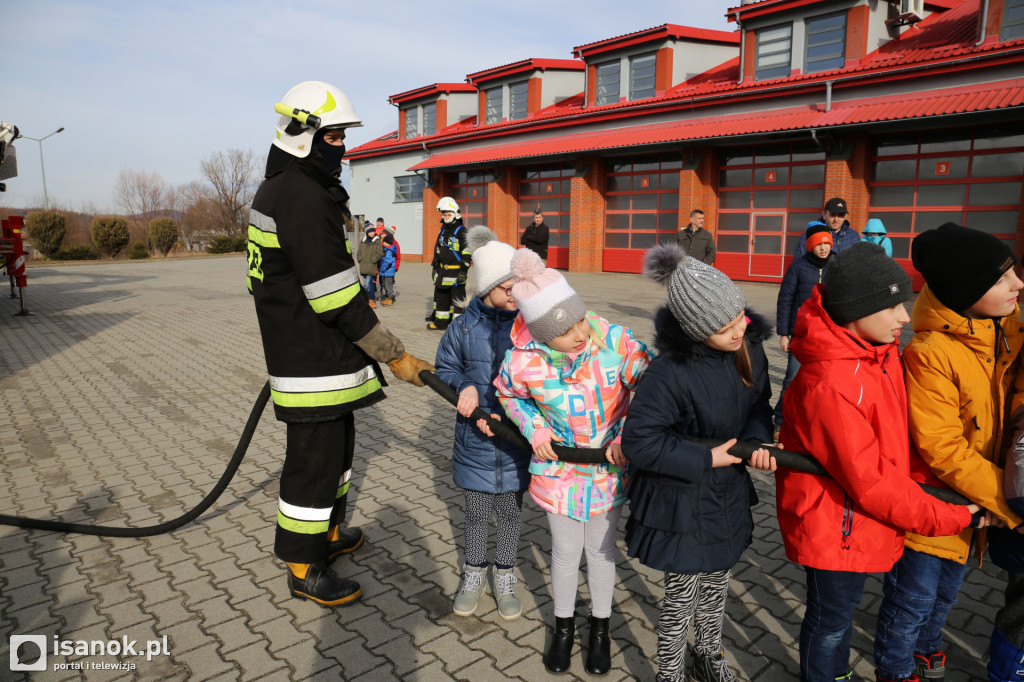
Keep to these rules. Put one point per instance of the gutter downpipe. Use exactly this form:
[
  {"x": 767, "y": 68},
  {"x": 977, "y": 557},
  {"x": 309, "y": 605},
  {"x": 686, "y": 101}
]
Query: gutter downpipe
[
  {"x": 828, "y": 96},
  {"x": 743, "y": 41},
  {"x": 984, "y": 20}
]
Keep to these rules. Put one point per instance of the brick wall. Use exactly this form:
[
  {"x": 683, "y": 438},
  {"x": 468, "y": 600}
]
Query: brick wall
[
  {"x": 586, "y": 218},
  {"x": 698, "y": 188},
  {"x": 431, "y": 218},
  {"x": 503, "y": 204},
  {"x": 846, "y": 177}
]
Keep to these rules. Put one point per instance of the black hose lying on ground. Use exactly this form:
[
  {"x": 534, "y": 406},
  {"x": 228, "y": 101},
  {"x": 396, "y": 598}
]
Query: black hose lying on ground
[
  {"x": 174, "y": 524},
  {"x": 785, "y": 458}
]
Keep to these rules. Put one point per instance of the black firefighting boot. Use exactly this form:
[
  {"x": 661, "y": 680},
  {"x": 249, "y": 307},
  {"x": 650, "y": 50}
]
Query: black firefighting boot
[
  {"x": 319, "y": 583},
  {"x": 343, "y": 540}
]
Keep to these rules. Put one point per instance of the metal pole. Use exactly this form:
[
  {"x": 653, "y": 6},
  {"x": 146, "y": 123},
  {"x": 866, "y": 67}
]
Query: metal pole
[{"x": 42, "y": 165}]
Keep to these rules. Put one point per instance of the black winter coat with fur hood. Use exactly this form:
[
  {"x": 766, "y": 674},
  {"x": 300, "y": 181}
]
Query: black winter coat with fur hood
[{"x": 686, "y": 517}]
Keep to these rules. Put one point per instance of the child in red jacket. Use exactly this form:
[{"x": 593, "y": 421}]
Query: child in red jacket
[{"x": 853, "y": 523}]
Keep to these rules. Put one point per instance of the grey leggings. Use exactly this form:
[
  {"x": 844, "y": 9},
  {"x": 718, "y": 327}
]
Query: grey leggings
[{"x": 569, "y": 538}]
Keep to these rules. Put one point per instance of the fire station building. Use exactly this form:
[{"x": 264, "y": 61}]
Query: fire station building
[{"x": 912, "y": 111}]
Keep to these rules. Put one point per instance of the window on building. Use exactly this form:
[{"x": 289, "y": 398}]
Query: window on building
[
  {"x": 641, "y": 201},
  {"x": 409, "y": 188},
  {"x": 412, "y": 122},
  {"x": 774, "y": 45},
  {"x": 517, "y": 100},
  {"x": 607, "y": 83},
  {"x": 826, "y": 43},
  {"x": 470, "y": 191},
  {"x": 492, "y": 105},
  {"x": 430, "y": 118},
  {"x": 1013, "y": 20},
  {"x": 641, "y": 76},
  {"x": 967, "y": 176},
  {"x": 547, "y": 188}
]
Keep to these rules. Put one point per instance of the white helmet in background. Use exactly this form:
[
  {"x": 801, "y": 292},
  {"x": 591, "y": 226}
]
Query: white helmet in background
[
  {"x": 448, "y": 204},
  {"x": 308, "y": 107}
]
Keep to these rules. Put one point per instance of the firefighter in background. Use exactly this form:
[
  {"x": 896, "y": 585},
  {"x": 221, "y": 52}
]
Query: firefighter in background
[
  {"x": 449, "y": 266},
  {"x": 321, "y": 340}
]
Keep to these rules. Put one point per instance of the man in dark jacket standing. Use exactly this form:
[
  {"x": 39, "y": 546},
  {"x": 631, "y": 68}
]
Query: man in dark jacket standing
[
  {"x": 536, "y": 235},
  {"x": 321, "y": 341},
  {"x": 835, "y": 216},
  {"x": 695, "y": 240}
]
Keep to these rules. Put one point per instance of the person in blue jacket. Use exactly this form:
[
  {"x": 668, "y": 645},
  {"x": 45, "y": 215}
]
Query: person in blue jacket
[
  {"x": 388, "y": 266},
  {"x": 835, "y": 215},
  {"x": 874, "y": 232},
  {"x": 492, "y": 473},
  {"x": 798, "y": 283},
  {"x": 690, "y": 504}
]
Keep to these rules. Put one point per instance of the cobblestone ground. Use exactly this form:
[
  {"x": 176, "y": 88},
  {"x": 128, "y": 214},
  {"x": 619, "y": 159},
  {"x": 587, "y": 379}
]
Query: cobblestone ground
[{"x": 121, "y": 401}]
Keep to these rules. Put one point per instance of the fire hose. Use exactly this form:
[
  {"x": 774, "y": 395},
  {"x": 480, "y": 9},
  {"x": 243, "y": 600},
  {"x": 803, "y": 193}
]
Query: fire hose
[{"x": 742, "y": 450}]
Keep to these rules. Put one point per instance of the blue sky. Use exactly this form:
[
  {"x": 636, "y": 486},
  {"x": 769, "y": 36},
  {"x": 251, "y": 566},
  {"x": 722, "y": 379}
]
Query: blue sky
[{"x": 159, "y": 86}]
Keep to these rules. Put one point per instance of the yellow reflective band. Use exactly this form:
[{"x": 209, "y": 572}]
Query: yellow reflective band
[
  {"x": 343, "y": 490},
  {"x": 335, "y": 300},
  {"x": 265, "y": 239},
  {"x": 329, "y": 105},
  {"x": 326, "y": 398},
  {"x": 303, "y": 527}
]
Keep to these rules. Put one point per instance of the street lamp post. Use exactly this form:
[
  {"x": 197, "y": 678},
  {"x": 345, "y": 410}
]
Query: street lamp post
[{"x": 46, "y": 198}]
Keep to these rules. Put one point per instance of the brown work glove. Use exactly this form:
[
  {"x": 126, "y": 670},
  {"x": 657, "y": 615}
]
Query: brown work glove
[
  {"x": 408, "y": 368},
  {"x": 381, "y": 345}
]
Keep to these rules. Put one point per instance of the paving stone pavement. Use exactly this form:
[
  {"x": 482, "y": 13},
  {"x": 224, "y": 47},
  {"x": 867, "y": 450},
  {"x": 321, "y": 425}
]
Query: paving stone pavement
[{"x": 121, "y": 401}]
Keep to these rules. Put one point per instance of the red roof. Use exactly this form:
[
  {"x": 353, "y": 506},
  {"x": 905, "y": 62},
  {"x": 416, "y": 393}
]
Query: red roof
[
  {"x": 522, "y": 66},
  {"x": 943, "y": 41},
  {"x": 1000, "y": 95},
  {"x": 426, "y": 90},
  {"x": 658, "y": 33}
]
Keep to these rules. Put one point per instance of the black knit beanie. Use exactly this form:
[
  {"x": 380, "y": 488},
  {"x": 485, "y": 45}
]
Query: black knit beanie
[
  {"x": 959, "y": 263},
  {"x": 862, "y": 280}
]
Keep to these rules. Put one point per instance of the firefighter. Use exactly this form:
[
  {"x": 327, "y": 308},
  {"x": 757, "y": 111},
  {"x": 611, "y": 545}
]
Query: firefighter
[
  {"x": 449, "y": 266},
  {"x": 321, "y": 340}
]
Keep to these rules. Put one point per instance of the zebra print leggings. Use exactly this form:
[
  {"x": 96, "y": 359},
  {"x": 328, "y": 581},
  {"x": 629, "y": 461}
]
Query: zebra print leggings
[
  {"x": 700, "y": 598},
  {"x": 479, "y": 509}
]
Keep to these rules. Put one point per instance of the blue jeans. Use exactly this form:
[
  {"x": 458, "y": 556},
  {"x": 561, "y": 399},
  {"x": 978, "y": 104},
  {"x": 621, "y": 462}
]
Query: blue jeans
[
  {"x": 370, "y": 284},
  {"x": 917, "y": 595},
  {"x": 828, "y": 623},
  {"x": 792, "y": 365}
]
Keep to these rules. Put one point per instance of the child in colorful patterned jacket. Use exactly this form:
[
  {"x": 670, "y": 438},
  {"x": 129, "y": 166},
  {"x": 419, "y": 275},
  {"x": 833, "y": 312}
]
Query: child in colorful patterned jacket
[{"x": 568, "y": 380}]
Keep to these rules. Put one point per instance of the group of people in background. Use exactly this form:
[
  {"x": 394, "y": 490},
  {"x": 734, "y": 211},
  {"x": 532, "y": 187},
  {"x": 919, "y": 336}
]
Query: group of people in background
[
  {"x": 529, "y": 352},
  {"x": 379, "y": 256}
]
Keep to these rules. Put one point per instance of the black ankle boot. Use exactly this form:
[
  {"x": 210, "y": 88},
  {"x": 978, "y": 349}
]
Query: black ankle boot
[
  {"x": 559, "y": 654},
  {"x": 323, "y": 586},
  {"x": 599, "y": 656}
]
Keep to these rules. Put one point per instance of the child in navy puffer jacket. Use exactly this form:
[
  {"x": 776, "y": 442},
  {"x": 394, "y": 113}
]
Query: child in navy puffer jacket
[
  {"x": 797, "y": 285},
  {"x": 492, "y": 473}
]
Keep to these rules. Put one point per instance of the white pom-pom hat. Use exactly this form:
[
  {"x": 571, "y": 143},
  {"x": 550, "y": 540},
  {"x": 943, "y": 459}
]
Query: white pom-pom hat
[
  {"x": 492, "y": 259},
  {"x": 548, "y": 304}
]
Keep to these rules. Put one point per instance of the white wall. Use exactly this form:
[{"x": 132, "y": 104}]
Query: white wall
[
  {"x": 558, "y": 85},
  {"x": 372, "y": 190},
  {"x": 692, "y": 58},
  {"x": 461, "y": 105}
]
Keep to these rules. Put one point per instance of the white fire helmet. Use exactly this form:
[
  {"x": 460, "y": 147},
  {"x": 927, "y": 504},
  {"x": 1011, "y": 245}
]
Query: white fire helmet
[
  {"x": 447, "y": 204},
  {"x": 330, "y": 107}
]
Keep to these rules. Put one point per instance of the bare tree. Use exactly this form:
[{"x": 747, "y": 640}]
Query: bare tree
[
  {"x": 233, "y": 177},
  {"x": 140, "y": 195},
  {"x": 199, "y": 215}
]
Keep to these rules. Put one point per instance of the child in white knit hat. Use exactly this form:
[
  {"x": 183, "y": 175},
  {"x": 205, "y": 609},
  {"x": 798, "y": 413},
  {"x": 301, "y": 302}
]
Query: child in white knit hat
[
  {"x": 492, "y": 473},
  {"x": 568, "y": 381}
]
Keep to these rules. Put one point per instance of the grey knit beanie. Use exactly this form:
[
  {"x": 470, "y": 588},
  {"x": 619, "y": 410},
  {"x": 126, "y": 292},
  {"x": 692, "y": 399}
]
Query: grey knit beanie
[
  {"x": 860, "y": 281},
  {"x": 702, "y": 298}
]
